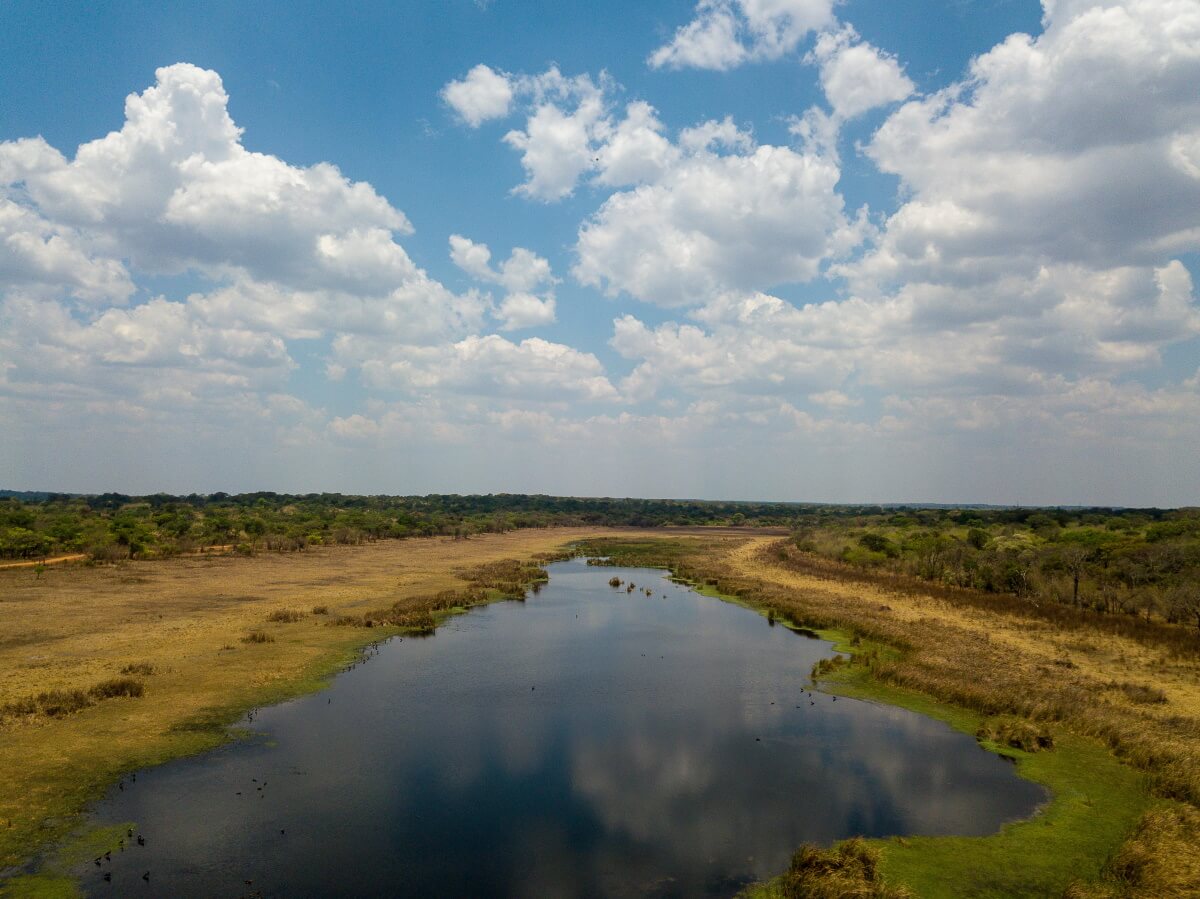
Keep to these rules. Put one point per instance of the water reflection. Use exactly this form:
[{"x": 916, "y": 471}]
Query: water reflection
[{"x": 589, "y": 742}]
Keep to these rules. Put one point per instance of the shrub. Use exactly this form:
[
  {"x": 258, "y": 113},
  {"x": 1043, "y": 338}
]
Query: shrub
[
  {"x": 258, "y": 637},
  {"x": 60, "y": 703},
  {"x": 53, "y": 703},
  {"x": 118, "y": 686},
  {"x": 285, "y": 616},
  {"x": 849, "y": 870},
  {"x": 107, "y": 552},
  {"x": 1015, "y": 733},
  {"x": 284, "y": 543},
  {"x": 320, "y": 610},
  {"x": 143, "y": 668},
  {"x": 876, "y": 543},
  {"x": 828, "y": 666}
]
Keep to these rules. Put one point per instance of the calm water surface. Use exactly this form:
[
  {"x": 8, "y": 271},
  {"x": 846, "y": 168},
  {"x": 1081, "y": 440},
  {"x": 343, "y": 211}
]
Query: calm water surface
[{"x": 587, "y": 742}]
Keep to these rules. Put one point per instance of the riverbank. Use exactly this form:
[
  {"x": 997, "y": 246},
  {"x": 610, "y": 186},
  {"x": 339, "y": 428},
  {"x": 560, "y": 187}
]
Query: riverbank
[
  {"x": 1117, "y": 826},
  {"x": 207, "y": 639}
]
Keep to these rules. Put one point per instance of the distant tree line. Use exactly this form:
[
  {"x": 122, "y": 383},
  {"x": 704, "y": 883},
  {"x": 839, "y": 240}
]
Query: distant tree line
[
  {"x": 113, "y": 526},
  {"x": 1124, "y": 561}
]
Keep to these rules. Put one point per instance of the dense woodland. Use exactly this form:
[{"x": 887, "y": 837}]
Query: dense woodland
[{"x": 1123, "y": 561}]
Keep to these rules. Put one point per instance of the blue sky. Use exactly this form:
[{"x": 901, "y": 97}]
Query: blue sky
[{"x": 1010, "y": 318}]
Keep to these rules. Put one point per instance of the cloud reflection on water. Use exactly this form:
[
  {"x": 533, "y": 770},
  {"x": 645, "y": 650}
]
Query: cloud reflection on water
[{"x": 587, "y": 742}]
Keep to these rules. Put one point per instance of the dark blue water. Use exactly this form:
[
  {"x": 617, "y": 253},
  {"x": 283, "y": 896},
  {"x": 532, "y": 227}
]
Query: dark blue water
[{"x": 586, "y": 742}]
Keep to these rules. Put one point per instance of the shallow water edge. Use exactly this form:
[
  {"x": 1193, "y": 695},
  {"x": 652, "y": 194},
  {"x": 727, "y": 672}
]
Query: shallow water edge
[{"x": 321, "y": 678}]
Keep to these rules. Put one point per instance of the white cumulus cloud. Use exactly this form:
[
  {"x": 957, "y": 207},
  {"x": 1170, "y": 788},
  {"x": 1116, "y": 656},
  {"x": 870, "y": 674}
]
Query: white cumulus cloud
[
  {"x": 487, "y": 366},
  {"x": 1068, "y": 147},
  {"x": 713, "y": 223},
  {"x": 726, "y": 33},
  {"x": 521, "y": 275},
  {"x": 482, "y": 95},
  {"x": 856, "y": 76},
  {"x": 557, "y": 143}
]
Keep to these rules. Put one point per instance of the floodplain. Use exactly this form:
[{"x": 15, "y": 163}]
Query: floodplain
[{"x": 1118, "y": 769}]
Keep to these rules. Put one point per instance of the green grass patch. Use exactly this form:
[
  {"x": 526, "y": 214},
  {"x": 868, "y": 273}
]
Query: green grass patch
[
  {"x": 54, "y": 880},
  {"x": 1096, "y": 803},
  {"x": 40, "y": 886}
]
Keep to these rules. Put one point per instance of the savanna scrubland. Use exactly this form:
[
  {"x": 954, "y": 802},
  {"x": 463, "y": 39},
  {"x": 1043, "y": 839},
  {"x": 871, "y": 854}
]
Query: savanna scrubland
[{"x": 1066, "y": 639}]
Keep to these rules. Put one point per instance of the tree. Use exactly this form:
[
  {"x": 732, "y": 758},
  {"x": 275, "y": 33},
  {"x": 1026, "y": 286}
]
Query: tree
[
  {"x": 23, "y": 543},
  {"x": 1074, "y": 560},
  {"x": 1184, "y": 603},
  {"x": 977, "y": 537},
  {"x": 876, "y": 543}
]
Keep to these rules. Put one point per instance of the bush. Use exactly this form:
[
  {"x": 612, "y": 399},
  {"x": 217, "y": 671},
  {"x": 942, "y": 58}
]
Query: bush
[
  {"x": 107, "y": 552},
  {"x": 285, "y": 616},
  {"x": 320, "y": 610},
  {"x": 862, "y": 557},
  {"x": 849, "y": 870},
  {"x": 61, "y": 703},
  {"x": 877, "y": 543},
  {"x": 118, "y": 686},
  {"x": 52, "y": 703},
  {"x": 828, "y": 666},
  {"x": 144, "y": 668},
  {"x": 258, "y": 637},
  {"x": 1016, "y": 733}
]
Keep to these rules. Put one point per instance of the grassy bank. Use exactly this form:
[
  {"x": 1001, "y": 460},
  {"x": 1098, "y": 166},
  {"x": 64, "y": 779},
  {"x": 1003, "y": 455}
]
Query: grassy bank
[
  {"x": 1096, "y": 802},
  {"x": 206, "y": 640},
  {"x": 1115, "y": 826},
  {"x": 209, "y": 638}
]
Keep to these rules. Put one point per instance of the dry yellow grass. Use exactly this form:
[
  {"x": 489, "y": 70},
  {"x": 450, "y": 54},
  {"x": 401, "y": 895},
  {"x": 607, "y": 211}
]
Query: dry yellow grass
[
  {"x": 1097, "y": 656},
  {"x": 1140, "y": 698}
]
